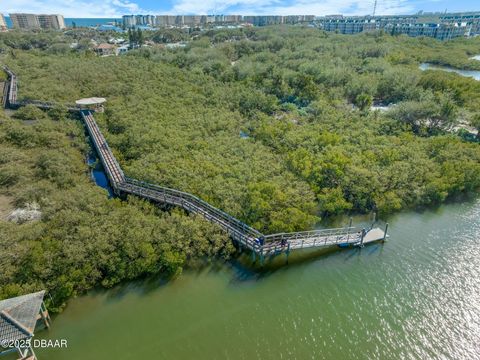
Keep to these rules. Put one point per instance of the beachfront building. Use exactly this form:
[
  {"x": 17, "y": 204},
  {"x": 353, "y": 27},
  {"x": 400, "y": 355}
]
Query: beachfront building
[
  {"x": 201, "y": 20},
  {"x": 130, "y": 21},
  {"x": 264, "y": 20},
  {"x": 349, "y": 25},
  {"x": 445, "y": 31},
  {"x": 296, "y": 19},
  {"x": 229, "y": 19},
  {"x": 184, "y": 20},
  {"x": 472, "y": 19},
  {"x": 51, "y": 21},
  {"x": 24, "y": 21},
  {"x": 194, "y": 20},
  {"x": 165, "y": 20},
  {"x": 37, "y": 21},
  {"x": 145, "y": 20},
  {"x": 396, "y": 25},
  {"x": 3, "y": 23}
]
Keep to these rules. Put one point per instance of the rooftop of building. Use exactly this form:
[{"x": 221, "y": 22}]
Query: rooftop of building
[
  {"x": 18, "y": 316},
  {"x": 104, "y": 46}
]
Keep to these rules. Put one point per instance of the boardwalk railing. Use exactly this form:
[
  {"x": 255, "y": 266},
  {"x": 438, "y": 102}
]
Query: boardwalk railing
[
  {"x": 241, "y": 232},
  {"x": 347, "y": 234},
  {"x": 11, "y": 96},
  {"x": 110, "y": 164},
  {"x": 192, "y": 200},
  {"x": 12, "y": 87},
  {"x": 244, "y": 235}
]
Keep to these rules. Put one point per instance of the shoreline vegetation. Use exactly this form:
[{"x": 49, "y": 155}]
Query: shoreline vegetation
[{"x": 258, "y": 122}]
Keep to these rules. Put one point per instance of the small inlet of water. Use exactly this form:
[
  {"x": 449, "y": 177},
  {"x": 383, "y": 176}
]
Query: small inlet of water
[
  {"x": 98, "y": 173},
  {"x": 467, "y": 73}
]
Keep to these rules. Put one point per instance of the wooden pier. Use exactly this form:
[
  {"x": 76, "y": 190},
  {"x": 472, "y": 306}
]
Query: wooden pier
[{"x": 245, "y": 236}]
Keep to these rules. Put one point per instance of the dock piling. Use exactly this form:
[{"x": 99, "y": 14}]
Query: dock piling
[{"x": 363, "y": 236}]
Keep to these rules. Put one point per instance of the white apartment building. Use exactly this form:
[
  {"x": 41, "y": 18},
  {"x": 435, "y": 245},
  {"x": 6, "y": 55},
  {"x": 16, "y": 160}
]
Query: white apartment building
[
  {"x": 3, "y": 23},
  {"x": 37, "y": 21}
]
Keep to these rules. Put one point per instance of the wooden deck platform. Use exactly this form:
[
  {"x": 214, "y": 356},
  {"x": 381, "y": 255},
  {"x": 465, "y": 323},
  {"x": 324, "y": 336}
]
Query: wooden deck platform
[{"x": 373, "y": 235}]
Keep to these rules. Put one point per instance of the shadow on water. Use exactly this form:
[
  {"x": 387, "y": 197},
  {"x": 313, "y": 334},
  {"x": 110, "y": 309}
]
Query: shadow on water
[
  {"x": 98, "y": 173},
  {"x": 140, "y": 286},
  {"x": 366, "y": 220},
  {"x": 245, "y": 269},
  {"x": 240, "y": 269}
]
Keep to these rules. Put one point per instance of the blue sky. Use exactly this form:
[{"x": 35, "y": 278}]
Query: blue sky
[{"x": 115, "y": 8}]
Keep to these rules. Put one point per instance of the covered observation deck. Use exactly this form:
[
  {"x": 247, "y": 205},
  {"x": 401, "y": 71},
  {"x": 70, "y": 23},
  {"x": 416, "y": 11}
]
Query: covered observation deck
[
  {"x": 92, "y": 103},
  {"x": 18, "y": 319}
]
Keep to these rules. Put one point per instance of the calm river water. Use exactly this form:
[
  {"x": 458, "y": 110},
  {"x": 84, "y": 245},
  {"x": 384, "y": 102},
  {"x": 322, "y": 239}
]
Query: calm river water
[
  {"x": 467, "y": 73},
  {"x": 415, "y": 297}
]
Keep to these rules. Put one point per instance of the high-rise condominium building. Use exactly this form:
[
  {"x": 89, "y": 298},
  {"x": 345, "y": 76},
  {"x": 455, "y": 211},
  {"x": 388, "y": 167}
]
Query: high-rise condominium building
[
  {"x": 130, "y": 21},
  {"x": 24, "y": 21},
  {"x": 191, "y": 20},
  {"x": 164, "y": 20},
  {"x": 3, "y": 24},
  {"x": 34, "y": 21},
  {"x": 51, "y": 21},
  {"x": 263, "y": 20},
  {"x": 232, "y": 18}
]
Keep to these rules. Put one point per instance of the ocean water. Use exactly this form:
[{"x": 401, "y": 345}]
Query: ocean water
[{"x": 80, "y": 22}]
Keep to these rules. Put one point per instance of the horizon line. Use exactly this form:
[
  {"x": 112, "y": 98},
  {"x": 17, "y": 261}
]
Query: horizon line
[{"x": 118, "y": 16}]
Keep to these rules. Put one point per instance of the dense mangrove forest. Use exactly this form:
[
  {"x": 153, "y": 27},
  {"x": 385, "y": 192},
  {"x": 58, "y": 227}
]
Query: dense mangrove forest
[{"x": 274, "y": 125}]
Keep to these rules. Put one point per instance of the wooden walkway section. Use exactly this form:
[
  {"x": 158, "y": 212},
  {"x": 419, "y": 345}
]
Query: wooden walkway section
[
  {"x": 110, "y": 164},
  {"x": 12, "y": 87},
  {"x": 244, "y": 235},
  {"x": 4, "y": 89}
]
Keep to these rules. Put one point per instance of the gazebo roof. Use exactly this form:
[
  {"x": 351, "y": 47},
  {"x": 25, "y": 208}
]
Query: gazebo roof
[
  {"x": 18, "y": 316},
  {"x": 90, "y": 101}
]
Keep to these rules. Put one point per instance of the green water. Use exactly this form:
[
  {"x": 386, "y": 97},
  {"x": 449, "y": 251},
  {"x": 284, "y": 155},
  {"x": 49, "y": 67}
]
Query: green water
[{"x": 415, "y": 297}]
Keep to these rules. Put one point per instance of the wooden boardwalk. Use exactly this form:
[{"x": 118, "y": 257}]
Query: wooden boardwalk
[
  {"x": 12, "y": 87},
  {"x": 244, "y": 235},
  {"x": 110, "y": 164}
]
